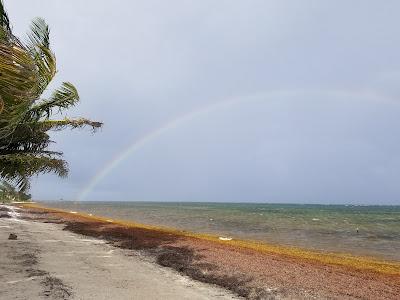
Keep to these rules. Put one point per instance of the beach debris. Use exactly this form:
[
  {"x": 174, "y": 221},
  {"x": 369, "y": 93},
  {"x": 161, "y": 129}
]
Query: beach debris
[
  {"x": 109, "y": 221},
  {"x": 315, "y": 219},
  {"x": 225, "y": 238},
  {"x": 211, "y": 219},
  {"x": 12, "y": 236},
  {"x": 73, "y": 212}
]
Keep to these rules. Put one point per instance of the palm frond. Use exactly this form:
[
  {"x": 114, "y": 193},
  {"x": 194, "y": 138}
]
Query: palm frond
[
  {"x": 56, "y": 125},
  {"x": 18, "y": 80},
  {"x": 1, "y": 104},
  {"x": 39, "y": 47},
  {"x": 46, "y": 68},
  {"x": 18, "y": 168},
  {"x": 18, "y": 72},
  {"x": 6, "y": 186},
  {"x": 62, "y": 98},
  {"x": 39, "y": 34},
  {"x": 9, "y": 120},
  {"x": 5, "y": 29},
  {"x": 27, "y": 140}
]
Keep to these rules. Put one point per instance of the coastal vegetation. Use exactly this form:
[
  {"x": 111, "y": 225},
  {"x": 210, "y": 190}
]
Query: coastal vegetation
[
  {"x": 27, "y": 116},
  {"x": 8, "y": 193}
]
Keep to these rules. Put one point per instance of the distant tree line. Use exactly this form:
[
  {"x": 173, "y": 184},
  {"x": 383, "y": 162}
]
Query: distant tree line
[{"x": 8, "y": 193}]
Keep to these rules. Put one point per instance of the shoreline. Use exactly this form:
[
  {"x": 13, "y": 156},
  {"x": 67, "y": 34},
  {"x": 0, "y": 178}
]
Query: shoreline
[
  {"x": 361, "y": 262},
  {"x": 250, "y": 269},
  {"x": 48, "y": 262}
]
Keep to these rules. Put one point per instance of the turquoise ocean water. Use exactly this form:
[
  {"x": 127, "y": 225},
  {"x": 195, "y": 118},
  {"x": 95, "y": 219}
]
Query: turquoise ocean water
[{"x": 360, "y": 230}]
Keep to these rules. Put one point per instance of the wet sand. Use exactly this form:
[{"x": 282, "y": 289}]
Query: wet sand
[{"x": 247, "y": 269}]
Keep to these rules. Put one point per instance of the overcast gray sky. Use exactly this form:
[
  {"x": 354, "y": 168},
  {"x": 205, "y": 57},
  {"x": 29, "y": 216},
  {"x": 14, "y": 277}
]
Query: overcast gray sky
[{"x": 310, "y": 94}]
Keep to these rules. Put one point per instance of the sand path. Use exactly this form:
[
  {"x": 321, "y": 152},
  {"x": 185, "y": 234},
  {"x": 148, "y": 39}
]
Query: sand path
[{"x": 49, "y": 263}]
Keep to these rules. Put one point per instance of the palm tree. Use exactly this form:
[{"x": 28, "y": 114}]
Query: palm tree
[{"x": 26, "y": 69}]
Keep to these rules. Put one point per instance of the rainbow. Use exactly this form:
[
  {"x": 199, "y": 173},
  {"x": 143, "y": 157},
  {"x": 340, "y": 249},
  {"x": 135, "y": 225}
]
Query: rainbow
[
  {"x": 142, "y": 141},
  {"x": 137, "y": 144}
]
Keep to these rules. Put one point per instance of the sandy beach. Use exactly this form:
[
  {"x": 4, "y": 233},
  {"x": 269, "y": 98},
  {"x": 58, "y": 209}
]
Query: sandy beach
[
  {"x": 74, "y": 256},
  {"x": 47, "y": 262}
]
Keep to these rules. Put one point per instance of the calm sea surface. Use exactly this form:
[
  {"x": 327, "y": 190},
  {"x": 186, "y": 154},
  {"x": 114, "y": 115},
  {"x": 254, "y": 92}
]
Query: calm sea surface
[{"x": 361, "y": 230}]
